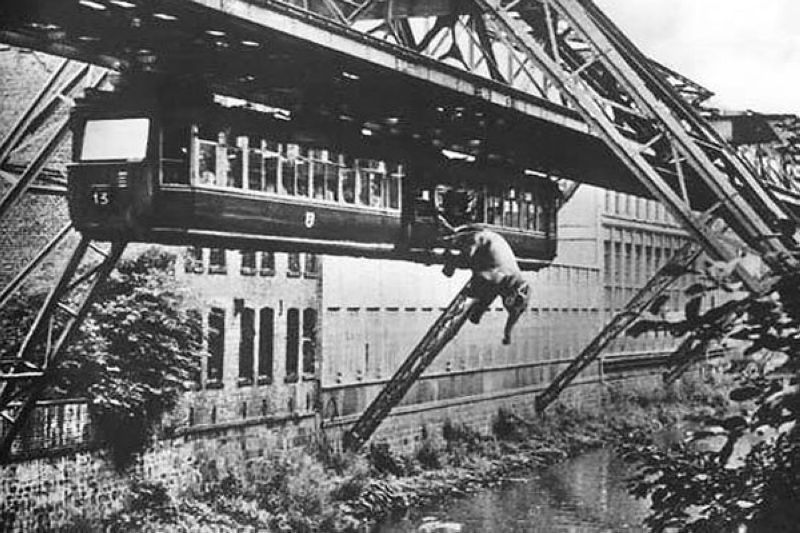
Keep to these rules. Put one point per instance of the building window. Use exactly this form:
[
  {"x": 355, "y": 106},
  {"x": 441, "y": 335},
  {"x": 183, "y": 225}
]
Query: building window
[
  {"x": 309, "y": 341},
  {"x": 195, "y": 323},
  {"x": 216, "y": 346},
  {"x": 292, "y": 344},
  {"x": 293, "y": 267},
  {"x": 312, "y": 265},
  {"x": 248, "y": 267},
  {"x": 618, "y": 263},
  {"x": 216, "y": 261},
  {"x": 267, "y": 264},
  {"x": 193, "y": 262},
  {"x": 607, "y": 262},
  {"x": 247, "y": 334},
  {"x": 266, "y": 346}
]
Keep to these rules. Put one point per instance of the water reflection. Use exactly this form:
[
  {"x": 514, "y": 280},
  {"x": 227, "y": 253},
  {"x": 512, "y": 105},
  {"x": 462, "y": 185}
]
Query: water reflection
[{"x": 585, "y": 494}]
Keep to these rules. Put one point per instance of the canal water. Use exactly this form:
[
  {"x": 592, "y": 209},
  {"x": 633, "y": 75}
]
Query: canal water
[{"x": 583, "y": 495}]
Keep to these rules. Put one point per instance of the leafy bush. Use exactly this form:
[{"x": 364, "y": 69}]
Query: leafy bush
[
  {"x": 384, "y": 461},
  {"x": 296, "y": 489},
  {"x": 740, "y": 470},
  {"x": 134, "y": 355},
  {"x": 507, "y": 425},
  {"x": 429, "y": 454}
]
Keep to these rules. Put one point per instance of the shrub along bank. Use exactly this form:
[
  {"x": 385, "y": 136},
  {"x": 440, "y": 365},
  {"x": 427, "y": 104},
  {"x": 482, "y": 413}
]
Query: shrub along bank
[{"x": 320, "y": 490}]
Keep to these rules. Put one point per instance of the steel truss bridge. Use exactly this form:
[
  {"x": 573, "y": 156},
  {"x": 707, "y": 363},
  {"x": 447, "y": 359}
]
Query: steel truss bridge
[{"x": 547, "y": 85}]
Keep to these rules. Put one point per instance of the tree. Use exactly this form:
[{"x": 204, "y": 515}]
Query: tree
[
  {"x": 742, "y": 469},
  {"x": 136, "y": 353}
]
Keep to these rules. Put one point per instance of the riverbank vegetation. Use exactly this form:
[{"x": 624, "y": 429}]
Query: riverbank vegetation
[
  {"x": 319, "y": 489},
  {"x": 740, "y": 471}
]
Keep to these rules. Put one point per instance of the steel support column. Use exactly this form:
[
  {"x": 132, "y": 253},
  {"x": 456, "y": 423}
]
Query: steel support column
[{"x": 26, "y": 375}]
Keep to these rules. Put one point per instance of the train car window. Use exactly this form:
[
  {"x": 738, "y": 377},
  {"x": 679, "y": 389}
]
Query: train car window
[
  {"x": 348, "y": 177},
  {"x": 207, "y": 162},
  {"x": 541, "y": 217},
  {"x": 527, "y": 210},
  {"x": 332, "y": 178},
  {"x": 530, "y": 208},
  {"x": 266, "y": 344},
  {"x": 312, "y": 265},
  {"x": 317, "y": 162},
  {"x": 267, "y": 264},
  {"x": 292, "y": 344},
  {"x": 255, "y": 166},
  {"x": 193, "y": 261},
  {"x": 216, "y": 346},
  {"x": 302, "y": 173},
  {"x": 293, "y": 264},
  {"x": 113, "y": 139},
  {"x": 309, "y": 341},
  {"x": 175, "y": 154},
  {"x": 288, "y": 159},
  {"x": 216, "y": 261},
  {"x": 271, "y": 167},
  {"x": 247, "y": 335},
  {"x": 362, "y": 182},
  {"x": 395, "y": 180},
  {"x": 376, "y": 196},
  {"x": 494, "y": 209},
  {"x": 235, "y": 167},
  {"x": 248, "y": 264}
]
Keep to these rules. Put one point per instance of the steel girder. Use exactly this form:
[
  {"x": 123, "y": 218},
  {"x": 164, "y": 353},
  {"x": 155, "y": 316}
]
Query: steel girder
[{"x": 25, "y": 375}]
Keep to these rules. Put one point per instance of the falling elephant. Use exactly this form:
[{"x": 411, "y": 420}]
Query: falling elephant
[{"x": 495, "y": 272}]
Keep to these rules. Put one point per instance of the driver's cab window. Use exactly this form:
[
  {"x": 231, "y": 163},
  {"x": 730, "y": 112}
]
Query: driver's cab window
[{"x": 175, "y": 140}]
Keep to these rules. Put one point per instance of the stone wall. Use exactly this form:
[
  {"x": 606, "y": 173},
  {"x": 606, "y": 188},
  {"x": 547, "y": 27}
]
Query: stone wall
[{"x": 42, "y": 494}]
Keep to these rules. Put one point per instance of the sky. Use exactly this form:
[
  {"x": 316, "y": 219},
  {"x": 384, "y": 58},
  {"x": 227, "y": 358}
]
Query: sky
[{"x": 746, "y": 52}]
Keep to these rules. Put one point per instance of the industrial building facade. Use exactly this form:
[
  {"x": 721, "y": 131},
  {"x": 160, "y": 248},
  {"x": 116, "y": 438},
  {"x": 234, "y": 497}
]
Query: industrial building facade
[
  {"x": 296, "y": 336},
  {"x": 311, "y": 339}
]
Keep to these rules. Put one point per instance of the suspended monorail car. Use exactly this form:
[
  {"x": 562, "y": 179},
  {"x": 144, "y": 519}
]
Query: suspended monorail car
[{"x": 186, "y": 170}]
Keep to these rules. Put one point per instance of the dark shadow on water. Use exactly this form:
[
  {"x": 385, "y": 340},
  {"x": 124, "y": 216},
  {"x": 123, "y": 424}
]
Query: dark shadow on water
[{"x": 585, "y": 494}]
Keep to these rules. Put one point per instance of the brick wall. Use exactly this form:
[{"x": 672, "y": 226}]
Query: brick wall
[
  {"x": 43, "y": 494},
  {"x": 37, "y": 217}
]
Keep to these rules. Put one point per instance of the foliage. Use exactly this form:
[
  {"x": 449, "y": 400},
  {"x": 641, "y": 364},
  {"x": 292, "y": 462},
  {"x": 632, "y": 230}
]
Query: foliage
[
  {"x": 429, "y": 454},
  {"x": 507, "y": 425},
  {"x": 384, "y": 460},
  {"x": 298, "y": 491},
  {"x": 744, "y": 468},
  {"x": 135, "y": 353}
]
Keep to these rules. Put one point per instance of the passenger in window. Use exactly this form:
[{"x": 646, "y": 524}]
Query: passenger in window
[
  {"x": 495, "y": 272},
  {"x": 235, "y": 167},
  {"x": 376, "y": 197},
  {"x": 348, "y": 177},
  {"x": 207, "y": 164},
  {"x": 364, "y": 188},
  {"x": 459, "y": 206}
]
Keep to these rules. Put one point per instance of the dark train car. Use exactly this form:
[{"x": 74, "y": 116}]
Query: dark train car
[{"x": 189, "y": 169}]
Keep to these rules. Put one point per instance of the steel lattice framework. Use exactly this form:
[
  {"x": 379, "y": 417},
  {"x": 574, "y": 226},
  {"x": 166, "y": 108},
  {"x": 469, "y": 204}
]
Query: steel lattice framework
[{"x": 496, "y": 79}]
